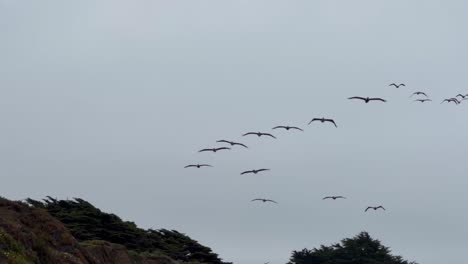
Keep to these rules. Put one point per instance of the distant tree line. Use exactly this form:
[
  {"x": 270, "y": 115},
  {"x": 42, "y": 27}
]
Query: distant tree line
[{"x": 361, "y": 249}]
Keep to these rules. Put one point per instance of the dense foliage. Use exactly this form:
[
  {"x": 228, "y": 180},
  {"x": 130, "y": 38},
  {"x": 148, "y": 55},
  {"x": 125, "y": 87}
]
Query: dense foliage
[
  {"x": 87, "y": 223},
  {"x": 361, "y": 249}
]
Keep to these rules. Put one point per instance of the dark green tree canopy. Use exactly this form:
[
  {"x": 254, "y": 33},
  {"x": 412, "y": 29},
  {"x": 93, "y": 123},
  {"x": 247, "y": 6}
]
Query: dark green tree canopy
[
  {"x": 88, "y": 223},
  {"x": 361, "y": 249}
]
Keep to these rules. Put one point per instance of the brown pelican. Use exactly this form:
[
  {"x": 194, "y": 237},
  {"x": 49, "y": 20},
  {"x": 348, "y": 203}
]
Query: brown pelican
[
  {"x": 259, "y": 134},
  {"x": 323, "y": 120},
  {"x": 287, "y": 127},
  {"x": 374, "y": 207},
  {"x": 254, "y": 171},
  {"x": 264, "y": 200},
  {"x": 367, "y": 99},
  {"x": 419, "y": 93},
  {"x": 232, "y": 143},
  {"x": 213, "y": 149},
  {"x": 422, "y": 100},
  {"x": 397, "y": 85},
  {"x": 334, "y": 197},
  {"x": 197, "y": 166}
]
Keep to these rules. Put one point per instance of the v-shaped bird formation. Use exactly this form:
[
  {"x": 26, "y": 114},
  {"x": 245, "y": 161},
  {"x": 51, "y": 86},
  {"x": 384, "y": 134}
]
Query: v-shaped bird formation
[{"x": 423, "y": 97}]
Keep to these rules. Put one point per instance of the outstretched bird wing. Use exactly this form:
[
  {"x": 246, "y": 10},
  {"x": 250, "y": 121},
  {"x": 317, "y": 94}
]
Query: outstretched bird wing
[
  {"x": 377, "y": 99},
  {"x": 258, "y": 199},
  {"x": 331, "y": 121},
  {"x": 328, "y": 197},
  {"x": 338, "y": 197},
  {"x": 357, "y": 97},
  {"x": 249, "y": 133},
  {"x": 240, "y": 144},
  {"x": 381, "y": 207},
  {"x": 202, "y": 150},
  {"x": 263, "y": 170},
  {"x": 205, "y": 165},
  {"x": 268, "y": 200},
  {"x": 189, "y": 166},
  {"x": 368, "y": 208},
  {"x": 297, "y": 128},
  {"x": 224, "y": 141},
  {"x": 221, "y": 148},
  {"x": 245, "y": 172},
  {"x": 317, "y": 119},
  {"x": 267, "y": 134},
  {"x": 393, "y": 84},
  {"x": 276, "y": 127}
]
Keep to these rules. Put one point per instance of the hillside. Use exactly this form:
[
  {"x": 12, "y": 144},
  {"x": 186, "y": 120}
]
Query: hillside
[{"x": 76, "y": 232}]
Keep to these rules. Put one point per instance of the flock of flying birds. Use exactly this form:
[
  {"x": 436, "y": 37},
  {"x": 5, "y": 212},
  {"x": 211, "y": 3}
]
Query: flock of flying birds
[{"x": 458, "y": 99}]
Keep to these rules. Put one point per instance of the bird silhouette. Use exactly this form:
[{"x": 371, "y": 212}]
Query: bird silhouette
[
  {"x": 334, "y": 197},
  {"x": 323, "y": 120},
  {"x": 419, "y": 93},
  {"x": 197, "y": 166},
  {"x": 397, "y": 85},
  {"x": 264, "y": 200},
  {"x": 422, "y": 100},
  {"x": 287, "y": 127},
  {"x": 232, "y": 143},
  {"x": 254, "y": 171},
  {"x": 461, "y": 95},
  {"x": 454, "y": 100},
  {"x": 375, "y": 208},
  {"x": 367, "y": 99},
  {"x": 259, "y": 134},
  {"x": 214, "y": 149}
]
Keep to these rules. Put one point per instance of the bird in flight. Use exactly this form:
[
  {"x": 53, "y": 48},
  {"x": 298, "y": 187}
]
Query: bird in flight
[
  {"x": 197, "y": 166},
  {"x": 264, "y": 200},
  {"x": 422, "y": 100},
  {"x": 375, "y": 208},
  {"x": 454, "y": 100},
  {"x": 232, "y": 143},
  {"x": 367, "y": 99},
  {"x": 334, "y": 197},
  {"x": 461, "y": 95},
  {"x": 214, "y": 149},
  {"x": 419, "y": 93},
  {"x": 397, "y": 85},
  {"x": 259, "y": 134},
  {"x": 323, "y": 120},
  {"x": 287, "y": 127},
  {"x": 254, "y": 171}
]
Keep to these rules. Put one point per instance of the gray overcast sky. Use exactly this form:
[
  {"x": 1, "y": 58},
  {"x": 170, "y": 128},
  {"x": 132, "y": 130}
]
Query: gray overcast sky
[{"x": 108, "y": 100}]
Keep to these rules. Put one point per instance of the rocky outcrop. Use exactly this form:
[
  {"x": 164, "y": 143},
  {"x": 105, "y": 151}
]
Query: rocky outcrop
[{"x": 31, "y": 235}]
